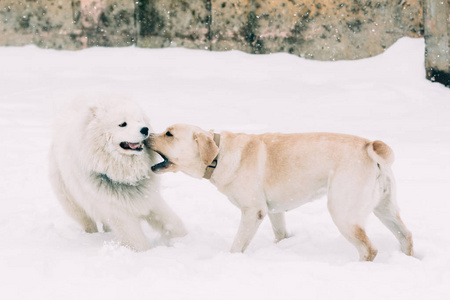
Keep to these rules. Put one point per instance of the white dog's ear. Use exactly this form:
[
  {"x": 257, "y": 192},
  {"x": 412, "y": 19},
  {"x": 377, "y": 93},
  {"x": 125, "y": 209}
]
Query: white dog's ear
[
  {"x": 93, "y": 110},
  {"x": 207, "y": 148},
  {"x": 96, "y": 109}
]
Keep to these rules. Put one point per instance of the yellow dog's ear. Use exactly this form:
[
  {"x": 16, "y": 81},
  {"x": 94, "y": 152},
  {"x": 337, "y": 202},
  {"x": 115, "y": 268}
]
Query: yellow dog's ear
[{"x": 206, "y": 146}]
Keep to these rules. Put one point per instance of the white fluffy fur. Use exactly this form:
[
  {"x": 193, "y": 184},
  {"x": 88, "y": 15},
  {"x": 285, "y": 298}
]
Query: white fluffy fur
[{"x": 98, "y": 181}]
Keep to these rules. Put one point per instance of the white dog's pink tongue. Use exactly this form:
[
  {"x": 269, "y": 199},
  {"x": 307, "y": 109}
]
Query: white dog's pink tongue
[{"x": 134, "y": 145}]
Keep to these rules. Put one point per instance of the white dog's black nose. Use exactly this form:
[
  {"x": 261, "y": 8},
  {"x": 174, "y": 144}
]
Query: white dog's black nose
[{"x": 144, "y": 131}]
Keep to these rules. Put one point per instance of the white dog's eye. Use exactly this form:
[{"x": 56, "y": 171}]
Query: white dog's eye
[
  {"x": 123, "y": 124},
  {"x": 168, "y": 133}
]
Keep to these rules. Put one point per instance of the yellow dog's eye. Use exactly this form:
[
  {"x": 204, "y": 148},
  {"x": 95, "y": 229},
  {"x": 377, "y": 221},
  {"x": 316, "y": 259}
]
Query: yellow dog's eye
[
  {"x": 123, "y": 124},
  {"x": 168, "y": 133}
]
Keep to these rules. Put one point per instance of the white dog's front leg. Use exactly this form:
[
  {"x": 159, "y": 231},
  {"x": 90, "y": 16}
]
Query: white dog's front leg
[
  {"x": 251, "y": 218},
  {"x": 163, "y": 219},
  {"x": 129, "y": 232}
]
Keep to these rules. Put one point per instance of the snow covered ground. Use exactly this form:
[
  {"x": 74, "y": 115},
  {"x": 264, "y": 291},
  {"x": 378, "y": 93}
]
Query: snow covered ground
[{"x": 45, "y": 255}]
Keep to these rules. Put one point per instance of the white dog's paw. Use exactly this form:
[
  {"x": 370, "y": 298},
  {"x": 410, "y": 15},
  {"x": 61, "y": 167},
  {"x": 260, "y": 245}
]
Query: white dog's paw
[
  {"x": 140, "y": 246},
  {"x": 90, "y": 227},
  {"x": 175, "y": 230}
]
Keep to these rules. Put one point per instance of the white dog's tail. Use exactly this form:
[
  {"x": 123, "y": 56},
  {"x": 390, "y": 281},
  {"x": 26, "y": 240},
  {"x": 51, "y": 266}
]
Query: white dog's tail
[{"x": 381, "y": 153}]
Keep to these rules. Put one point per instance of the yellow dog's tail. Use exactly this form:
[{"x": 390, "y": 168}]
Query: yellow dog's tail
[{"x": 380, "y": 153}]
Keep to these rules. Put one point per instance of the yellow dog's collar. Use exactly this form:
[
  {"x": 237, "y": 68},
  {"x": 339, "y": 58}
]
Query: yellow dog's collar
[{"x": 210, "y": 169}]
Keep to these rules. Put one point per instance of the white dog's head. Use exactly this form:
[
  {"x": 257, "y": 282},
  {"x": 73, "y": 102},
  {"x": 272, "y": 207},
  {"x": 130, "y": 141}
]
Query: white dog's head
[
  {"x": 184, "y": 148},
  {"x": 117, "y": 126}
]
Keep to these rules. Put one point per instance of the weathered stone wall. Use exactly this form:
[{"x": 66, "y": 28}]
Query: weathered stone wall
[
  {"x": 174, "y": 23},
  {"x": 324, "y": 30},
  {"x": 314, "y": 29},
  {"x": 437, "y": 38},
  {"x": 66, "y": 24},
  {"x": 317, "y": 29},
  {"x": 46, "y": 23},
  {"x": 106, "y": 23}
]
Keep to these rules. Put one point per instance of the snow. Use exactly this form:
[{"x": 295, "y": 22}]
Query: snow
[{"x": 45, "y": 255}]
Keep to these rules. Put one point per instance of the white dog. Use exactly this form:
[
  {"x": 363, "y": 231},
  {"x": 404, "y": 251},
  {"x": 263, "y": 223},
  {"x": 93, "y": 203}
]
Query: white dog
[
  {"x": 100, "y": 171},
  {"x": 272, "y": 173}
]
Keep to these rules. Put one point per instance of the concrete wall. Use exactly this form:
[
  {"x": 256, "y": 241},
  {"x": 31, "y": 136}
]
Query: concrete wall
[{"x": 314, "y": 29}]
